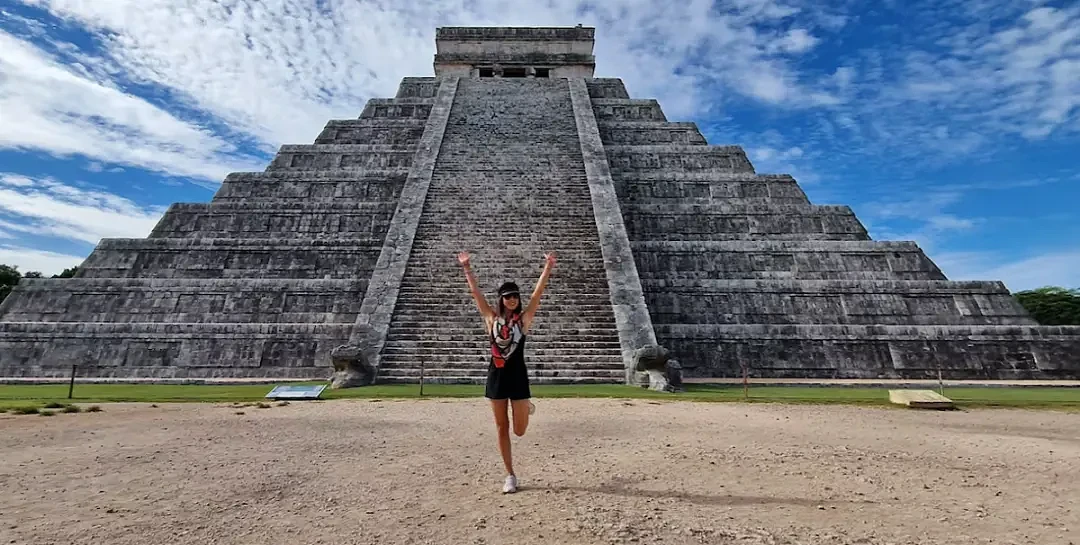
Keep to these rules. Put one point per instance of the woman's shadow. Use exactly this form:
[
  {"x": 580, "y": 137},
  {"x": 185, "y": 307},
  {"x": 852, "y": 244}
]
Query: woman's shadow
[{"x": 622, "y": 487}]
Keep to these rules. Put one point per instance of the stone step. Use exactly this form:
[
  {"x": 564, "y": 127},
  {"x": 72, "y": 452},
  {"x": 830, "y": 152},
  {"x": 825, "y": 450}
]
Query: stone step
[
  {"x": 480, "y": 380},
  {"x": 481, "y": 374},
  {"x": 433, "y": 354},
  {"x": 476, "y": 335},
  {"x": 480, "y": 359},
  {"x": 457, "y": 345}
]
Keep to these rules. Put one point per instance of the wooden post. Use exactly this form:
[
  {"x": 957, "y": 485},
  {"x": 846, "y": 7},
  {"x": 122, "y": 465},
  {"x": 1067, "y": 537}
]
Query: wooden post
[
  {"x": 745, "y": 382},
  {"x": 421, "y": 377},
  {"x": 941, "y": 383},
  {"x": 71, "y": 385}
]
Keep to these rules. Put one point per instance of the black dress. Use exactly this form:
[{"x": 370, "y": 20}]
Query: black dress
[{"x": 507, "y": 377}]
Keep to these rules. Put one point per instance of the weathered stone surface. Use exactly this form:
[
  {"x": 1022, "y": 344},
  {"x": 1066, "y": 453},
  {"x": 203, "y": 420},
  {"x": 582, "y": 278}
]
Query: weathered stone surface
[
  {"x": 414, "y": 108},
  {"x": 631, "y": 314},
  {"x": 650, "y": 133},
  {"x": 378, "y": 131},
  {"x": 218, "y": 300},
  {"x": 607, "y": 88},
  {"x": 618, "y": 109},
  {"x": 342, "y": 156},
  {"x": 803, "y": 260},
  {"x": 147, "y": 350},
  {"x": 418, "y": 88},
  {"x": 309, "y": 186},
  {"x": 662, "y": 240},
  {"x": 354, "y": 363},
  {"x": 382, "y": 294},
  {"x": 874, "y": 351},
  {"x": 356, "y": 220},
  {"x": 230, "y": 258}
]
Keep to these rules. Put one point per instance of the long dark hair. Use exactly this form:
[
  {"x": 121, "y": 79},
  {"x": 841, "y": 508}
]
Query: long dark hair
[{"x": 508, "y": 288}]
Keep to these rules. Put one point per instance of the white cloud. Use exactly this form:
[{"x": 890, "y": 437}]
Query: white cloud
[
  {"x": 277, "y": 70},
  {"x": 796, "y": 40},
  {"x": 50, "y": 208},
  {"x": 1056, "y": 268},
  {"x": 29, "y": 259},
  {"x": 53, "y": 108}
]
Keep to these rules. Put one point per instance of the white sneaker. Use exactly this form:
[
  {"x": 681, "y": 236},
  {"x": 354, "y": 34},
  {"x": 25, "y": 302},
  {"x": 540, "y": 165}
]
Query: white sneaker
[
  {"x": 510, "y": 486},
  {"x": 532, "y": 408}
]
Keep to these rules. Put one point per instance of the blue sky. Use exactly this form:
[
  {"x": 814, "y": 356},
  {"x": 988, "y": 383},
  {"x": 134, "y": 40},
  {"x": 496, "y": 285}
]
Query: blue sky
[{"x": 955, "y": 124}]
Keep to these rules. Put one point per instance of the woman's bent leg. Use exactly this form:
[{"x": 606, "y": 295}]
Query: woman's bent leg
[{"x": 521, "y": 416}]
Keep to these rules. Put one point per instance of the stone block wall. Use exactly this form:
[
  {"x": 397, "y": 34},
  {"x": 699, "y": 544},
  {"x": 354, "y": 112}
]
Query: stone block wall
[
  {"x": 192, "y": 301},
  {"x": 311, "y": 258},
  {"x": 311, "y": 186},
  {"x": 342, "y": 156},
  {"x": 739, "y": 269},
  {"x": 658, "y": 222},
  {"x": 383, "y": 132},
  {"x": 413, "y": 108},
  {"x": 803, "y": 260},
  {"x": 187, "y": 351},
  {"x": 364, "y": 221},
  {"x": 418, "y": 88},
  {"x": 239, "y": 286}
]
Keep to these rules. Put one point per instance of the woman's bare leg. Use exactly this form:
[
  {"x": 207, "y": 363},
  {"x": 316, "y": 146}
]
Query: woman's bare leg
[
  {"x": 521, "y": 416},
  {"x": 502, "y": 424}
]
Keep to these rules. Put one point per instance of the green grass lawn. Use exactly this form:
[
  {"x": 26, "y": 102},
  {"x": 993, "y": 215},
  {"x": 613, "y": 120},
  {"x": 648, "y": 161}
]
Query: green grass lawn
[{"x": 12, "y": 396}]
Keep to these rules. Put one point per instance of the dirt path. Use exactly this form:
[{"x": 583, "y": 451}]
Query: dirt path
[{"x": 592, "y": 471}]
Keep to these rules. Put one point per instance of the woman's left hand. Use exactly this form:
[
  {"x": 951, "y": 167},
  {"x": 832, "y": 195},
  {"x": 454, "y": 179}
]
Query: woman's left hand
[{"x": 549, "y": 258}]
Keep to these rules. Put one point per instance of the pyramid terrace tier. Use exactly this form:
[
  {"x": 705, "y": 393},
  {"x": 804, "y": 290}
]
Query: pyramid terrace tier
[
  {"x": 169, "y": 351},
  {"x": 618, "y": 133},
  {"x": 677, "y": 158},
  {"x": 875, "y": 351},
  {"x": 223, "y": 300},
  {"x": 310, "y": 186},
  {"x": 398, "y": 108},
  {"x": 618, "y": 109},
  {"x": 800, "y": 260},
  {"x": 726, "y": 220},
  {"x": 886, "y": 302},
  {"x": 360, "y": 220},
  {"x": 706, "y": 188},
  {"x": 414, "y": 87},
  {"x": 232, "y": 258},
  {"x": 606, "y": 88},
  {"x": 342, "y": 156},
  {"x": 373, "y": 131}
]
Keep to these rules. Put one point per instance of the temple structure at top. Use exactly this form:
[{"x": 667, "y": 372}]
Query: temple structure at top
[
  {"x": 513, "y": 149},
  {"x": 509, "y": 52}
]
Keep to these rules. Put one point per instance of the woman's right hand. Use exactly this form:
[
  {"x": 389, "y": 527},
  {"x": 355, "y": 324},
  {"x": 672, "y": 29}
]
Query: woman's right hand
[{"x": 463, "y": 258}]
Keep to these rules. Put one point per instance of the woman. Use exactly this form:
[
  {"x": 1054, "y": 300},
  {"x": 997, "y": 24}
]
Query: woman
[{"x": 508, "y": 379}]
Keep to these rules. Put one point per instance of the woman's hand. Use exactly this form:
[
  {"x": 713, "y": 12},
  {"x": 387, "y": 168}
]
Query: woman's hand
[
  {"x": 549, "y": 259},
  {"x": 464, "y": 258}
]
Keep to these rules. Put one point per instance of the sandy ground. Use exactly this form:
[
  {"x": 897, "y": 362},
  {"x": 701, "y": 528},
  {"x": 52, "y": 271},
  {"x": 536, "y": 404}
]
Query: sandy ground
[{"x": 592, "y": 471}]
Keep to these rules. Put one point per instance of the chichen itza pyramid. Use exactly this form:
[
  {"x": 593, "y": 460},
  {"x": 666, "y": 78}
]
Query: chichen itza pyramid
[{"x": 511, "y": 150}]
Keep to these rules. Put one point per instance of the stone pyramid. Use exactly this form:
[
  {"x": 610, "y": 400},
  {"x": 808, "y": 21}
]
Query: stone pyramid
[{"x": 512, "y": 150}]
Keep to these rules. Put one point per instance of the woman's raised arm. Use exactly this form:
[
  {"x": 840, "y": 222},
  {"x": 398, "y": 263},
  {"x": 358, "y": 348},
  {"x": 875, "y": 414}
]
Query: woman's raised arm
[
  {"x": 481, "y": 303},
  {"x": 538, "y": 291}
]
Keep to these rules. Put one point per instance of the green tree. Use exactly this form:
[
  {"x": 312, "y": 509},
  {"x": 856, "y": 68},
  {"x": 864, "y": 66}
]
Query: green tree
[
  {"x": 33, "y": 274},
  {"x": 67, "y": 273},
  {"x": 9, "y": 276},
  {"x": 1052, "y": 305}
]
